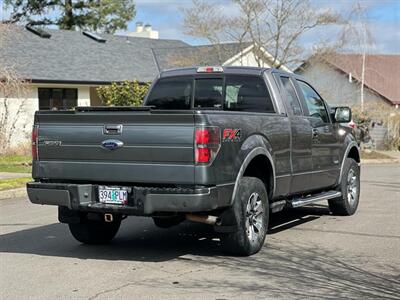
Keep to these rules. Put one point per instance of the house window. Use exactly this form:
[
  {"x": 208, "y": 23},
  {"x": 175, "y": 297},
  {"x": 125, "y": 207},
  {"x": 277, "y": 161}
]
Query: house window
[{"x": 57, "y": 98}]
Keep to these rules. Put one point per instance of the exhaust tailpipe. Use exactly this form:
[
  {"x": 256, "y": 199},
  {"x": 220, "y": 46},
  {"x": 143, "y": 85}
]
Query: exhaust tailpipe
[{"x": 210, "y": 220}]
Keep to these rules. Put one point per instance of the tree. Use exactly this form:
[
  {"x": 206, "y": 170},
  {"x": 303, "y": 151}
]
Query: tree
[
  {"x": 127, "y": 93},
  {"x": 356, "y": 37},
  {"x": 13, "y": 91},
  {"x": 95, "y": 15},
  {"x": 272, "y": 25}
]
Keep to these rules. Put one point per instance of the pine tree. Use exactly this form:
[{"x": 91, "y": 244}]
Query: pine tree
[{"x": 94, "y": 15}]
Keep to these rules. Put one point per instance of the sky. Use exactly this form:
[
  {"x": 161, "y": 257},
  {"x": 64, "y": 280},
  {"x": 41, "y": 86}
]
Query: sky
[{"x": 167, "y": 18}]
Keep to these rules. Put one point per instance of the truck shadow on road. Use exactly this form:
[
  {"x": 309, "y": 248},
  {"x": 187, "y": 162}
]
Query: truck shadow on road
[
  {"x": 297, "y": 269},
  {"x": 139, "y": 239}
]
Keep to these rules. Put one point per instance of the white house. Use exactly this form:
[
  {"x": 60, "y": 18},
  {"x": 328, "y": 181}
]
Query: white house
[{"x": 64, "y": 68}]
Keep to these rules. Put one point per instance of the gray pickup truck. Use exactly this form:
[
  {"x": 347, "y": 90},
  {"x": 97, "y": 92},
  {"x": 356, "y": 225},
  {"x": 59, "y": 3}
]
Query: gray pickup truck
[{"x": 225, "y": 146}]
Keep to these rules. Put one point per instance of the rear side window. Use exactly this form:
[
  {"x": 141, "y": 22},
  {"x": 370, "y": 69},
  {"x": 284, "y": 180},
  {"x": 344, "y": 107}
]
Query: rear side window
[
  {"x": 314, "y": 102},
  {"x": 292, "y": 98},
  {"x": 247, "y": 93},
  {"x": 171, "y": 93}
]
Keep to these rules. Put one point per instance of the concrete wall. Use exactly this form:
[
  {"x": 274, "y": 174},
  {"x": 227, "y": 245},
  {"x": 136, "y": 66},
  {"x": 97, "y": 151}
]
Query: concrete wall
[{"x": 27, "y": 104}]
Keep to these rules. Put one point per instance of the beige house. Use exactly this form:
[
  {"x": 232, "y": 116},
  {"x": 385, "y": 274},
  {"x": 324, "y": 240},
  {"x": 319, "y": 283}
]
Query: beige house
[
  {"x": 338, "y": 79},
  {"x": 64, "y": 68}
]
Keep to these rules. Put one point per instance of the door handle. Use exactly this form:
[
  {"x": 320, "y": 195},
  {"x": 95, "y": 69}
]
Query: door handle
[
  {"x": 315, "y": 133},
  {"x": 112, "y": 129}
]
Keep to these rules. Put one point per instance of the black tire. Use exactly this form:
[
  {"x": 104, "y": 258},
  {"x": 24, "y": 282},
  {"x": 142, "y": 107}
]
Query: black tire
[
  {"x": 167, "y": 222},
  {"x": 94, "y": 231},
  {"x": 251, "y": 230},
  {"x": 346, "y": 205}
]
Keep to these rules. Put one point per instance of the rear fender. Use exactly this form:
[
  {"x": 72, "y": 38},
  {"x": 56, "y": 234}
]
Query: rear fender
[{"x": 253, "y": 146}]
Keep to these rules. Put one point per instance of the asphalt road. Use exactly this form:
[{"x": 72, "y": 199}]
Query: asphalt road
[{"x": 308, "y": 254}]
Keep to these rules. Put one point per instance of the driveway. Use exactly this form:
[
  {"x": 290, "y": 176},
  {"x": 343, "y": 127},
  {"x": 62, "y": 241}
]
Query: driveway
[{"x": 308, "y": 254}]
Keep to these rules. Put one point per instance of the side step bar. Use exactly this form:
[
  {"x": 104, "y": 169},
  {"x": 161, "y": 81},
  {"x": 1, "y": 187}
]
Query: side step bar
[{"x": 297, "y": 202}]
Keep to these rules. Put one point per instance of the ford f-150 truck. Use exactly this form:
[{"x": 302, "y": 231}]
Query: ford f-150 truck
[{"x": 225, "y": 146}]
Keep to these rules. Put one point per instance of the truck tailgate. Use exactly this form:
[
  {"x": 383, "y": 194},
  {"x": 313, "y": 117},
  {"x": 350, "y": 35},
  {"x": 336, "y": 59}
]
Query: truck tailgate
[{"x": 157, "y": 146}]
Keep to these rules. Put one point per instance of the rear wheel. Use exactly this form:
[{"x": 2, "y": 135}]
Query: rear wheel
[
  {"x": 94, "y": 231},
  {"x": 347, "y": 204},
  {"x": 250, "y": 212}
]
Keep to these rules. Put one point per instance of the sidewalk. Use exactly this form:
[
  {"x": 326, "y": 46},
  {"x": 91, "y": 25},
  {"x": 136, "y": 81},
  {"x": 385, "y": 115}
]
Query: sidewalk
[
  {"x": 13, "y": 193},
  {"x": 395, "y": 158},
  {"x": 394, "y": 154},
  {"x": 9, "y": 175}
]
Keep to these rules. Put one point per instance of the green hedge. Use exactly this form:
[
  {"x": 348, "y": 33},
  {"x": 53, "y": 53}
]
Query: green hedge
[{"x": 126, "y": 93}]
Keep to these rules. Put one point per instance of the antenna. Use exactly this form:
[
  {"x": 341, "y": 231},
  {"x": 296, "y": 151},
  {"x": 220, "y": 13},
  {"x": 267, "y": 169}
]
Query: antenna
[
  {"x": 94, "y": 36},
  {"x": 155, "y": 60},
  {"x": 38, "y": 31}
]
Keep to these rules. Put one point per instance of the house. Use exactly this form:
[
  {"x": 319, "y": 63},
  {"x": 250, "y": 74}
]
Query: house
[
  {"x": 64, "y": 68},
  {"x": 338, "y": 79}
]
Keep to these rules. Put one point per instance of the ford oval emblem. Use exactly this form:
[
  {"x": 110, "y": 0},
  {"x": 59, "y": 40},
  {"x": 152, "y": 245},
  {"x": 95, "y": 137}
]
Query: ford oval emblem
[{"x": 112, "y": 144}]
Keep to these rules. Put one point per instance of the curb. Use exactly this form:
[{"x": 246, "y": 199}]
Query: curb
[
  {"x": 380, "y": 161},
  {"x": 14, "y": 193}
]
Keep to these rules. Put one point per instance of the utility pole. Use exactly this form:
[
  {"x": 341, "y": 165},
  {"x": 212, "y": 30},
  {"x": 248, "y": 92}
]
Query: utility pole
[{"x": 364, "y": 50}]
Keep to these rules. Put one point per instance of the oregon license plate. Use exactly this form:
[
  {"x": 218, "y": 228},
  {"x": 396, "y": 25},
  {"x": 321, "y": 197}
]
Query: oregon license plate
[{"x": 113, "y": 195}]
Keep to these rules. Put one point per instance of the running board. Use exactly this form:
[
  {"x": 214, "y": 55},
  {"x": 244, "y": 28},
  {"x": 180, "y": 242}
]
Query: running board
[{"x": 297, "y": 202}]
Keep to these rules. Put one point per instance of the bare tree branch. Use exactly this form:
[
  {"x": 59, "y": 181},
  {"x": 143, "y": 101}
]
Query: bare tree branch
[{"x": 274, "y": 25}]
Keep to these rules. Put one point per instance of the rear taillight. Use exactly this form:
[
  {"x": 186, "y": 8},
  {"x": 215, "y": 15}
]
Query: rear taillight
[
  {"x": 35, "y": 143},
  {"x": 206, "y": 144}
]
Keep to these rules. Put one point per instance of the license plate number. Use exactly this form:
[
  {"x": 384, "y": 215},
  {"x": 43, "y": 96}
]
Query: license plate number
[{"x": 113, "y": 195}]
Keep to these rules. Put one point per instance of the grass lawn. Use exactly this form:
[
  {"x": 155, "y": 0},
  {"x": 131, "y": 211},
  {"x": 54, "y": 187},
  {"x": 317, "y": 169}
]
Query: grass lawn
[
  {"x": 374, "y": 155},
  {"x": 7, "y": 184},
  {"x": 15, "y": 164}
]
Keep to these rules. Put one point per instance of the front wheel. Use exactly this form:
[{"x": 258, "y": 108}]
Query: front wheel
[
  {"x": 347, "y": 204},
  {"x": 94, "y": 231},
  {"x": 250, "y": 212}
]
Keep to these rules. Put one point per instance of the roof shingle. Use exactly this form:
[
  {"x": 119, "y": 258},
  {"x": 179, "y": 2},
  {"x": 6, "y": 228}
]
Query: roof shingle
[{"x": 72, "y": 56}]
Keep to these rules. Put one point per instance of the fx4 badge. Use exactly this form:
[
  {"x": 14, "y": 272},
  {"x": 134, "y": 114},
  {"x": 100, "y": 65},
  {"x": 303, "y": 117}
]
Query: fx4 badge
[{"x": 231, "y": 135}]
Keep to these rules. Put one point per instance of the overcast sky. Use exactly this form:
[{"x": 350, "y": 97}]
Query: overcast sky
[{"x": 166, "y": 17}]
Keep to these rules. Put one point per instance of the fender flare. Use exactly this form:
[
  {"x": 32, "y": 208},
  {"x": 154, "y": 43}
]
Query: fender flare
[
  {"x": 253, "y": 153},
  {"x": 346, "y": 153}
]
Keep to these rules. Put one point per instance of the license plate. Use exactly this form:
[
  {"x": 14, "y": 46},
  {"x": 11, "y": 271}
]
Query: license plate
[{"x": 113, "y": 195}]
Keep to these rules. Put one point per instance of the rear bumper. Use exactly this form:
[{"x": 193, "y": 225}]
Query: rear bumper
[{"x": 142, "y": 200}]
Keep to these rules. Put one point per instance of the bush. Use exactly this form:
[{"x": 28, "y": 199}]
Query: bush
[
  {"x": 393, "y": 134},
  {"x": 381, "y": 114},
  {"x": 126, "y": 93}
]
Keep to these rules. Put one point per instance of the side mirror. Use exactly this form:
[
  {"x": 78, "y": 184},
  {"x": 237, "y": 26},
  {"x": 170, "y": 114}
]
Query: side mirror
[{"x": 342, "y": 114}]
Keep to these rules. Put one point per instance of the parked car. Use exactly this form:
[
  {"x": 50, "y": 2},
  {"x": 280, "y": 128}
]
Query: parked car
[{"x": 225, "y": 146}]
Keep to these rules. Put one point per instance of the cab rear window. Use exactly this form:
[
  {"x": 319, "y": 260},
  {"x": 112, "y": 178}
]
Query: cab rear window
[
  {"x": 231, "y": 92},
  {"x": 171, "y": 93}
]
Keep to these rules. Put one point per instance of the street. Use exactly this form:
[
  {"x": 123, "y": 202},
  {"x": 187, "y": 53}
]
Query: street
[{"x": 308, "y": 254}]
